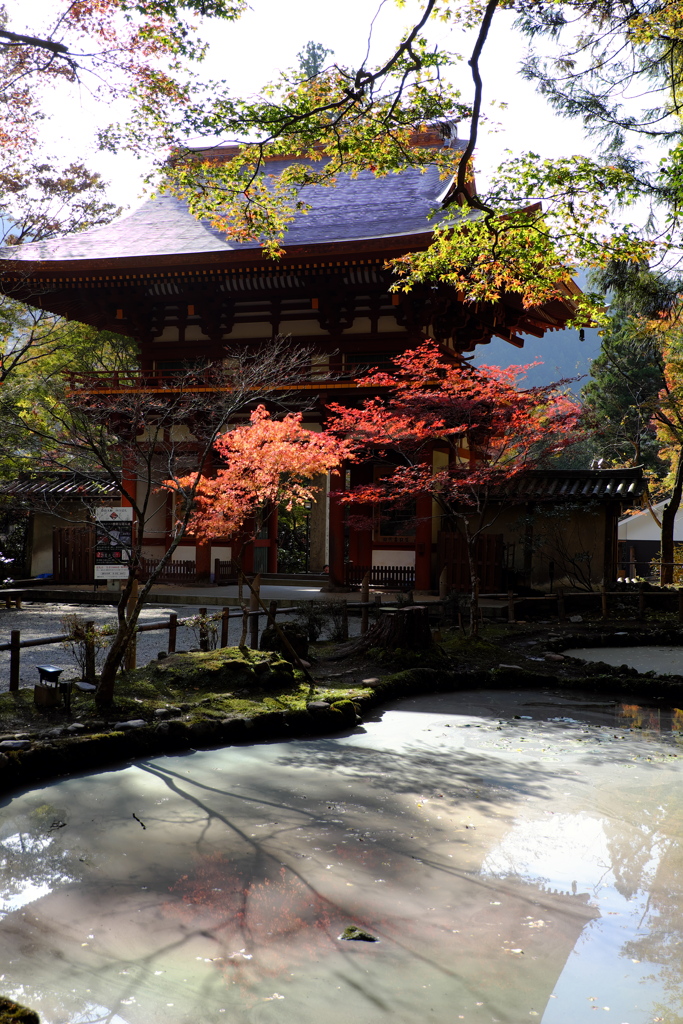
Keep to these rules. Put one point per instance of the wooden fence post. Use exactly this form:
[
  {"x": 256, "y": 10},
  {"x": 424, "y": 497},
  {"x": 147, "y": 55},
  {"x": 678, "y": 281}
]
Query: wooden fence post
[
  {"x": 254, "y": 609},
  {"x": 245, "y": 625},
  {"x": 365, "y": 599},
  {"x": 14, "y": 654},
  {"x": 511, "y": 606},
  {"x": 225, "y": 625},
  {"x": 90, "y": 674},
  {"x": 172, "y": 632},
  {"x": 641, "y": 603},
  {"x": 603, "y": 601},
  {"x": 680, "y": 605},
  {"x": 203, "y": 630},
  {"x": 443, "y": 583},
  {"x": 272, "y": 611},
  {"x": 345, "y": 621},
  {"x": 560, "y": 604}
]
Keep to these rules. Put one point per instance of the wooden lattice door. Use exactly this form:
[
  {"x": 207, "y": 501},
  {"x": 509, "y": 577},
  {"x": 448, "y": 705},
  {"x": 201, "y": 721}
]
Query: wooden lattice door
[
  {"x": 452, "y": 553},
  {"x": 73, "y": 554}
]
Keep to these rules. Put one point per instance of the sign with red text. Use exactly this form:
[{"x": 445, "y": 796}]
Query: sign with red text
[{"x": 113, "y": 542}]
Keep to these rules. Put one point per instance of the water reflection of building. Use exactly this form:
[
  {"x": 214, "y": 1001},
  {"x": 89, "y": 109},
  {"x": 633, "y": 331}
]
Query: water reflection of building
[{"x": 613, "y": 863}]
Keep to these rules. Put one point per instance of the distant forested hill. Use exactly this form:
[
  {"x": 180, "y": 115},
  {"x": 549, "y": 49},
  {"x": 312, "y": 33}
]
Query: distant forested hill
[{"x": 561, "y": 353}]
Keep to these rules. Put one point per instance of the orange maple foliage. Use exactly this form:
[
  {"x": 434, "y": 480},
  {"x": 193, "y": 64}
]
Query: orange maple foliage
[
  {"x": 266, "y": 461},
  {"x": 135, "y": 48}
]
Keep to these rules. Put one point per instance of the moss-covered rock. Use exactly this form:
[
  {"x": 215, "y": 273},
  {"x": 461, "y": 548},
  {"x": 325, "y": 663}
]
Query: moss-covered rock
[
  {"x": 354, "y": 934},
  {"x": 346, "y": 710},
  {"x": 13, "y": 1013},
  {"x": 225, "y": 669}
]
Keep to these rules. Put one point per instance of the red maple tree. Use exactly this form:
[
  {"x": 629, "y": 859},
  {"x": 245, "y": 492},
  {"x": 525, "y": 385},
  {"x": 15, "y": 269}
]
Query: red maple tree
[
  {"x": 266, "y": 461},
  {"x": 488, "y": 429}
]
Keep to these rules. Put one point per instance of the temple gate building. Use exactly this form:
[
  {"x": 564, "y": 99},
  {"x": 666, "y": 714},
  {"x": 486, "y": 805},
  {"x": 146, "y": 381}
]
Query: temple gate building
[{"x": 187, "y": 294}]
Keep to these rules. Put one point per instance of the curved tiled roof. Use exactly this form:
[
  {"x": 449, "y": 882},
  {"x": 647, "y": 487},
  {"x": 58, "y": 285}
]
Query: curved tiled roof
[
  {"x": 358, "y": 208},
  {"x": 64, "y": 486},
  {"x": 556, "y": 485}
]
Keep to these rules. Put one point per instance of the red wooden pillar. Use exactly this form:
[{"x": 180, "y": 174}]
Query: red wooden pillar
[
  {"x": 336, "y": 526},
  {"x": 203, "y": 559},
  {"x": 423, "y": 543},
  {"x": 129, "y": 479}
]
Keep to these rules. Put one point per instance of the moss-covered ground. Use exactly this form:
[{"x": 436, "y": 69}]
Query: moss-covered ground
[
  {"x": 13, "y": 1013},
  {"x": 200, "y": 687}
]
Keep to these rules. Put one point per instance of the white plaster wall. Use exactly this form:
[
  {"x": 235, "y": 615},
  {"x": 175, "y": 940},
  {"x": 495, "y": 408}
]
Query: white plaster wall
[
  {"x": 184, "y": 552},
  {"x": 642, "y": 526},
  {"x": 396, "y": 557},
  {"x": 156, "y": 517},
  {"x": 251, "y": 331},
  {"x": 193, "y": 332},
  {"x": 302, "y": 328},
  {"x": 155, "y": 551},
  {"x": 222, "y": 551}
]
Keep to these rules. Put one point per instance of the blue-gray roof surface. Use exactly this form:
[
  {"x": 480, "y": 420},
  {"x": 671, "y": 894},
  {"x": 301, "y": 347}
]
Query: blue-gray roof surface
[{"x": 358, "y": 208}]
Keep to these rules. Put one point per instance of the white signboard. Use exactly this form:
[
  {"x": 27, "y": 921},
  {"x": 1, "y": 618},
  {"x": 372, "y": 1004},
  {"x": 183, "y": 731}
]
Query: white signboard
[
  {"x": 111, "y": 572},
  {"x": 113, "y": 542},
  {"x": 112, "y": 515}
]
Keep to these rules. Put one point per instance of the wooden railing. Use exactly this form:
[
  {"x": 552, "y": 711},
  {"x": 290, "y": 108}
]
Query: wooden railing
[
  {"x": 181, "y": 571},
  {"x": 171, "y": 624},
  {"x": 396, "y": 577},
  {"x": 210, "y": 379},
  {"x": 225, "y": 572}
]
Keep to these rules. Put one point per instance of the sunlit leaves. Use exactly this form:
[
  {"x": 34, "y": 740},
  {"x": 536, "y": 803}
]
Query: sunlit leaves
[
  {"x": 546, "y": 220},
  {"x": 265, "y": 461}
]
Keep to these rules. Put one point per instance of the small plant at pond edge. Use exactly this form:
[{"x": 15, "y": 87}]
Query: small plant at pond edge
[{"x": 86, "y": 637}]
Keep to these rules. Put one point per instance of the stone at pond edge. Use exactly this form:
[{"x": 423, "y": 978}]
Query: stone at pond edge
[
  {"x": 348, "y": 711},
  {"x": 353, "y": 934},
  {"x": 13, "y": 1013},
  {"x": 134, "y": 723},
  {"x": 318, "y": 705},
  {"x": 168, "y": 712},
  {"x": 15, "y": 745}
]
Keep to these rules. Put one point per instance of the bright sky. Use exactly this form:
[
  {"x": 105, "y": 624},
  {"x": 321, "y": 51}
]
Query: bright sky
[{"x": 267, "y": 38}]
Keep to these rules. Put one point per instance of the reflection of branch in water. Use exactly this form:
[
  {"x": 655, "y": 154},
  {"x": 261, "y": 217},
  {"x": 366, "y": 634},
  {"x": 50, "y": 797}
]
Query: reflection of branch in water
[{"x": 332, "y": 910}]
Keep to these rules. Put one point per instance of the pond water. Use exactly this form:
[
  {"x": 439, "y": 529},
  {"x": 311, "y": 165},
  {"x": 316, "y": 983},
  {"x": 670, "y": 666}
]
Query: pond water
[
  {"x": 512, "y": 869},
  {"x": 661, "y": 658}
]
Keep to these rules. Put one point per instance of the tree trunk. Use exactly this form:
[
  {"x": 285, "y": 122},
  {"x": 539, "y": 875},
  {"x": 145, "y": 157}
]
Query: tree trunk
[
  {"x": 128, "y": 615},
  {"x": 668, "y": 520},
  {"x": 115, "y": 656},
  {"x": 474, "y": 578},
  {"x": 405, "y": 628}
]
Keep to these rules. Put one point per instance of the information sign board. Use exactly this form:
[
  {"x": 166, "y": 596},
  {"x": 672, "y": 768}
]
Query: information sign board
[{"x": 113, "y": 542}]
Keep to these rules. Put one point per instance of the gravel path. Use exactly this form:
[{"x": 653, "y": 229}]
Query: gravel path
[{"x": 39, "y": 620}]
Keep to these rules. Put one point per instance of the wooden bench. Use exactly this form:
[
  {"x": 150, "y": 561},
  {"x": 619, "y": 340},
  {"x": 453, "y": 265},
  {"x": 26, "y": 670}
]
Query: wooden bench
[{"x": 12, "y": 595}]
